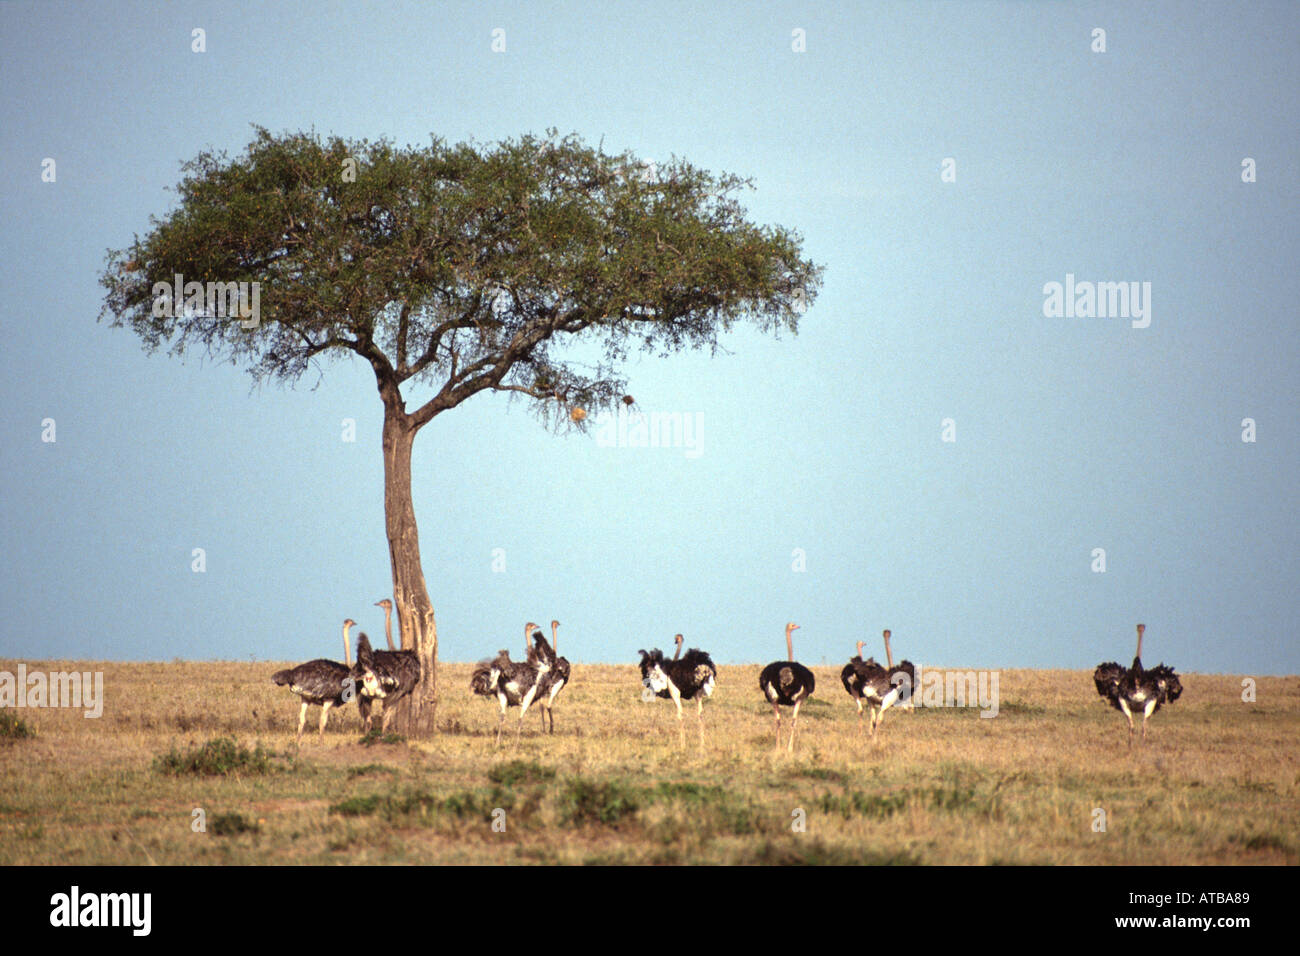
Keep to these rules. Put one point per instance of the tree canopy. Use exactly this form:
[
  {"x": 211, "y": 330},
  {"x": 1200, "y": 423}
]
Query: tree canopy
[{"x": 463, "y": 267}]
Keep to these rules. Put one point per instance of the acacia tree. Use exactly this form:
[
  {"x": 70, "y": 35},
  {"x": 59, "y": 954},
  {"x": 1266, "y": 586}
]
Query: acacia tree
[{"x": 458, "y": 269}]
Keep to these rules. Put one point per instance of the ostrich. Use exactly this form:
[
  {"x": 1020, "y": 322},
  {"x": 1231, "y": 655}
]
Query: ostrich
[
  {"x": 1137, "y": 688},
  {"x": 855, "y": 675},
  {"x": 904, "y": 667},
  {"x": 319, "y": 682},
  {"x": 386, "y": 675},
  {"x": 556, "y": 678},
  {"x": 690, "y": 678},
  {"x": 868, "y": 682},
  {"x": 387, "y": 605},
  {"x": 513, "y": 683},
  {"x": 787, "y": 682}
]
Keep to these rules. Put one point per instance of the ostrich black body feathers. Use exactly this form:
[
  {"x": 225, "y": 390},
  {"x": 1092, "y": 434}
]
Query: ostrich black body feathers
[
  {"x": 512, "y": 683},
  {"x": 693, "y": 673},
  {"x": 555, "y": 679},
  {"x": 690, "y": 677},
  {"x": 878, "y": 687},
  {"x": 1137, "y": 690},
  {"x": 786, "y": 682},
  {"x": 383, "y": 675},
  {"x": 320, "y": 682},
  {"x": 316, "y": 681}
]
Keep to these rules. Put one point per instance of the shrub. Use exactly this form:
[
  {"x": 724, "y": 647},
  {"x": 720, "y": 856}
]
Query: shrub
[
  {"x": 519, "y": 771},
  {"x": 215, "y": 758},
  {"x": 13, "y": 727},
  {"x": 231, "y": 824},
  {"x": 587, "y": 801}
]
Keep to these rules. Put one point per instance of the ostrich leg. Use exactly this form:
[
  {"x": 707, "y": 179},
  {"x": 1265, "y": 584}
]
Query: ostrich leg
[
  {"x": 776, "y": 709},
  {"x": 1123, "y": 705},
  {"x": 302, "y": 722},
  {"x": 523, "y": 709},
  {"x": 794, "y": 726},
  {"x": 324, "y": 716},
  {"x": 699, "y": 713}
]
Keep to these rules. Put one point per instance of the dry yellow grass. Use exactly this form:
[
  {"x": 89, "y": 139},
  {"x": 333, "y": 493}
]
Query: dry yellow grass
[{"x": 1216, "y": 782}]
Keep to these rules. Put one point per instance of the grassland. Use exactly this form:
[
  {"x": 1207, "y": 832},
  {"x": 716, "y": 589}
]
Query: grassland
[{"x": 1217, "y": 781}]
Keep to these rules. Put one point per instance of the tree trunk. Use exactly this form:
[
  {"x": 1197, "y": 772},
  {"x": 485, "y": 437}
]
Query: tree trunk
[{"x": 416, "y": 713}]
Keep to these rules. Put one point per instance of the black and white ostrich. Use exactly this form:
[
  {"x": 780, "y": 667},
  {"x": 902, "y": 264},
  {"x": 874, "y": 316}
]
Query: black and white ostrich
[
  {"x": 383, "y": 675},
  {"x": 856, "y": 675},
  {"x": 905, "y": 667},
  {"x": 691, "y": 677},
  {"x": 1137, "y": 689},
  {"x": 322, "y": 682},
  {"x": 877, "y": 687},
  {"x": 512, "y": 683},
  {"x": 787, "y": 683},
  {"x": 556, "y": 678}
]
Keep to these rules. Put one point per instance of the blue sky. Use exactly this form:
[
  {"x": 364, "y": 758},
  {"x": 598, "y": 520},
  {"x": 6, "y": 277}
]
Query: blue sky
[{"x": 1071, "y": 433}]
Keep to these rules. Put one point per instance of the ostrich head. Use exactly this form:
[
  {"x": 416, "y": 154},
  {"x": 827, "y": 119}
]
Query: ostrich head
[
  {"x": 386, "y": 604},
  {"x": 529, "y": 629}
]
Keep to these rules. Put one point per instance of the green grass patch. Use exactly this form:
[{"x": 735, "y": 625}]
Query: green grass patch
[
  {"x": 371, "y": 768},
  {"x": 816, "y": 773},
  {"x": 359, "y": 806},
  {"x": 698, "y": 794},
  {"x": 605, "y": 802},
  {"x": 421, "y": 806},
  {"x": 705, "y": 810},
  {"x": 215, "y": 758},
  {"x": 13, "y": 727},
  {"x": 233, "y": 824},
  {"x": 801, "y": 851},
  {"x": 519, "y": 771},
  {"x": 877, "y": 806},
  {"x": 1263, "y": 841}
]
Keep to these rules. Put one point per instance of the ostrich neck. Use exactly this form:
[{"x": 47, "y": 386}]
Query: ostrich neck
[
  {"x": 889, "y": 655},
  {"x": 388, "y": 628},
  {"x": 347, "y": 649},
  {"x": 555, "y": 641},
  {"x": 789, "y": 646}
]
